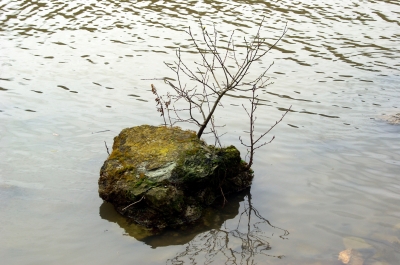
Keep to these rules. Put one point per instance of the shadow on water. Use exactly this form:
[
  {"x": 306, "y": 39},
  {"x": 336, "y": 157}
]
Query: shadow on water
[{"x": 236, "y": 232}]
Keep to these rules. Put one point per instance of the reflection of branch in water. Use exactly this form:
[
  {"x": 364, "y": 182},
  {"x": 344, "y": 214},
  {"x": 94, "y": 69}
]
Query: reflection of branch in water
[{"x": 244, "y": 244}]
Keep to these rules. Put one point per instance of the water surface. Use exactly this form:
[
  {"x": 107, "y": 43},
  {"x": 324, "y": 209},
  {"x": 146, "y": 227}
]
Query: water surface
[{"x": 73, "y": 74}]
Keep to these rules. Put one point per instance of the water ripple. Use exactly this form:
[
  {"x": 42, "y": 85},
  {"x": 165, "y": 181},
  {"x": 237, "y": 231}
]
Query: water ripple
[{"x": 318, "y": 30}]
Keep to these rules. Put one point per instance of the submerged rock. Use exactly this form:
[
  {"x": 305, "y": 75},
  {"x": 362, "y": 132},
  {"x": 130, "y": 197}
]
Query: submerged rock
[
  {"x": 392, "y": 118},
  {"x": 164, "y": 177},
  {"x": 351, "y": 257}
]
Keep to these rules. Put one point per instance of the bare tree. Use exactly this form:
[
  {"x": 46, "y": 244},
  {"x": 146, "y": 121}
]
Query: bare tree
[{"x": 222, "y": 69}]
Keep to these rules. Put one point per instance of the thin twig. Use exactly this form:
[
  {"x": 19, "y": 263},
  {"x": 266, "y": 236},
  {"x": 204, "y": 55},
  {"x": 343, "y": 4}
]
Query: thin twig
[
  {"x": 106, "y": 147},
  {"x": 132, "y": 204}
]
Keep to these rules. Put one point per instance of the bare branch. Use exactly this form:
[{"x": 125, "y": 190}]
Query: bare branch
[
  {"x": 220, "y": 70},
  {"x": 252, "y": 146},
  {"x": 107, "y": 148}
]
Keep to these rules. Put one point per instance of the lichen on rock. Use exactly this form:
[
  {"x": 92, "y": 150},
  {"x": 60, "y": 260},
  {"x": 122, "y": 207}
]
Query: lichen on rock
[{"x": 165, "y": 176}]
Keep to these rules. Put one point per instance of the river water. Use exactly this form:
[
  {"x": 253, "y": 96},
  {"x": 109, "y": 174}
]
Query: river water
[{"x": 74, "y": 73}]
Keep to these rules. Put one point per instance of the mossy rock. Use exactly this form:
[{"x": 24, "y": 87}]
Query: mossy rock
[{"x": 165, "y": 176}]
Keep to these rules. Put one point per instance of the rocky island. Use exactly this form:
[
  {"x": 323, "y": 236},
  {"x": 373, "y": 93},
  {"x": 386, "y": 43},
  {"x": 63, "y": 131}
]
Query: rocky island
[{"x": 165, "y": 177}]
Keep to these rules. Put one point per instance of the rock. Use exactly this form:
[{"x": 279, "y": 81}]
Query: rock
[
  {"x": 164, "y": 177},
  {"x": 351, "y": 257},
  {"x": 392, "y": 119}
]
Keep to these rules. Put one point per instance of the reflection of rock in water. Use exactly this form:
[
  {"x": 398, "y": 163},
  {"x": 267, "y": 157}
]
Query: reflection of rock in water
[
  {"x": 108, "y": 212},
  {"x": 243, "y": 242},
  {"x": 212, "y": 218},
  {"x": 213, "y": 237}
]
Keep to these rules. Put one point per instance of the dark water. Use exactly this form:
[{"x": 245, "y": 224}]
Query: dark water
[{"x": 73, "y": 74}]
